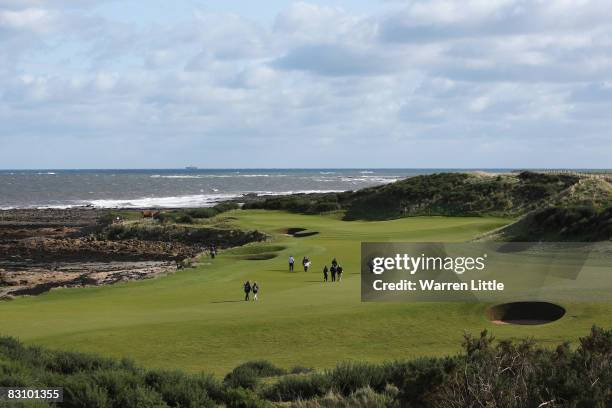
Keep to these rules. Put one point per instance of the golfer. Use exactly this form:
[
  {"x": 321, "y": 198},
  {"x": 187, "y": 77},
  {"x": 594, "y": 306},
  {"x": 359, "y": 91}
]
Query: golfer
[
  {"x": 306, "y": 263},
  {"x": 247, "y": 290},
  {"x": 255, "y": 289}
]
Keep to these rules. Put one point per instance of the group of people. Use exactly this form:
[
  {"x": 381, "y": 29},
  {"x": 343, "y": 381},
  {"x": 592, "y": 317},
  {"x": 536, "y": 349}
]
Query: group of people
[
  {"x": 335, "y": 270},
  {"x": 248, "y": 288},
  {"x": 305, "y": 263}
]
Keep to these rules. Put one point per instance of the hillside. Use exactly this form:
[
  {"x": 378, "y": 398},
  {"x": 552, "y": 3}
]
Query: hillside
[
  {"x": 458, "y": 194},
  {"x": 550, "y": 207},
  {"x": 452, "y": 194},
  {"x": 570, "y": 224}
]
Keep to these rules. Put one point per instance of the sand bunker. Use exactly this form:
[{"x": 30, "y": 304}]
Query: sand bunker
[
  {"x": 256, "y": 252},
  {"x": 526, "y": 313},
  {"x": 300, "y": 232}
]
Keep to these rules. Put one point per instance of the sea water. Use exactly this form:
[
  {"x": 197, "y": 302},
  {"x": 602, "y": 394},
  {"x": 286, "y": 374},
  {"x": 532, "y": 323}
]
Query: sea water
[{"x": 176, "y": 188}]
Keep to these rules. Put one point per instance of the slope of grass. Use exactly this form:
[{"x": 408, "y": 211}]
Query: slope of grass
[{"x": 196, "y": 319}]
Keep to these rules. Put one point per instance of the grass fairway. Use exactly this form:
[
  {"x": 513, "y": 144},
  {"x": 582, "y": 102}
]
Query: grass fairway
[{"x": 195, "y": 319}]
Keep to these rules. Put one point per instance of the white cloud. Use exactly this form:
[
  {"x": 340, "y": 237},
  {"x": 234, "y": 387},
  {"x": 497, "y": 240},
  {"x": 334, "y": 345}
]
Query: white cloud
[
  {"x": 479, "y": 73},
  {"x": 32, "y": 19}
]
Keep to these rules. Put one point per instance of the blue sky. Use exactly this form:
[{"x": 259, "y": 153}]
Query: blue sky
[{"x": 440, "y": 83}]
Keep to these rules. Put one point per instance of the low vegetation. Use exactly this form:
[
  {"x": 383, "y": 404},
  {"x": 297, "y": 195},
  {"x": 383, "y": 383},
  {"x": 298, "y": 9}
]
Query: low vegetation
[
  {"x": 175, "y": 226},
  {"x": 179, "y": 216},
  {"x": 577, "y": 224},
  {"x": 553, "y": 207},
  {"x": 486, "y": 374},
  {"x": 223, "y": 237},
  {"x": 189, "y": 216},
  {"x": 451, "y": 194}
]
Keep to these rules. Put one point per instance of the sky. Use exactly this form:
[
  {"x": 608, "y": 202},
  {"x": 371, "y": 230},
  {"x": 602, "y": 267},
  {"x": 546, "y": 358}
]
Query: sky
[{"x": 277, "y": 84}]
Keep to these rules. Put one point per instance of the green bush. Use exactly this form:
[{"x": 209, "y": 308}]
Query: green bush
[
  {"x": 207, "y": 212},
  {"x": 242, "y": 377},
  {"x": 348, "y": 377},
  {"x": 567, "y": 224},
  {"x": 298, "y": 369},
  {"x": 263, "y": 368},
  {"x": 244, "y": 398},
  {"x": 247, "y": 375},
  {"x": 488, "y": 373},
  {"x": 164, "y": 217},
  {"x": 226, "y": 206},
  {"x": 184, "y": 219},
  {"x": 180, "y": 390},
  {"x": 202, "y": 212},
  {"x": 293, "y": 387},
  {"x": 80, "y": 392}
]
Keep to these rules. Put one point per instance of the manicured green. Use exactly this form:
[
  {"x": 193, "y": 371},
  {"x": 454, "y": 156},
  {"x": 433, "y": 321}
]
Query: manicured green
[{"x": 196, "y": 319}]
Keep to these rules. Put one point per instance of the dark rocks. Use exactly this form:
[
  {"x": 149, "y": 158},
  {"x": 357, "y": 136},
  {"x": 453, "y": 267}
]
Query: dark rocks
[{"x": 50, "y": 248}]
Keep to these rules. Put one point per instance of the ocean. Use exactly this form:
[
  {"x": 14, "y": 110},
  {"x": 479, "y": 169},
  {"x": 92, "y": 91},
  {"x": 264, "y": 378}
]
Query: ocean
[{"x": 176, "y": 188}]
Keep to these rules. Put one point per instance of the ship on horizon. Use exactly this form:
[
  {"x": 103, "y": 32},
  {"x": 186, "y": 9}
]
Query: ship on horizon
[{"x": 191, "y": 167}]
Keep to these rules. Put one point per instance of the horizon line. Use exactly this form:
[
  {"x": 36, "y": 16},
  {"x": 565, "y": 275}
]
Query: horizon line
[{"x": 304, "y": 168}]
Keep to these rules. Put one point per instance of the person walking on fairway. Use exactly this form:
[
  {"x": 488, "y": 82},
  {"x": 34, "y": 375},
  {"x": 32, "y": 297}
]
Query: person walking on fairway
[
  {"x": 339, "y": 272},
  {"x": 325, "y": 270},
  {"x": 333, "y": 272},
  {"x": 306, "y": 263},
  {"x": 291, "y": 262},
  {"x": 247, "y": 290},
  {"x": 255, "y": 289}
]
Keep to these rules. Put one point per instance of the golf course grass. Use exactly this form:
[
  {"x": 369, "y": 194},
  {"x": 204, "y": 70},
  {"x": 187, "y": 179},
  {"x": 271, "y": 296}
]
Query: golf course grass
[{"x": 196, "y": 319}]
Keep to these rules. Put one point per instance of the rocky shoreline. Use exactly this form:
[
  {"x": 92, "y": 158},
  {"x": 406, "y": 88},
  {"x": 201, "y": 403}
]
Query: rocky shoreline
[{"x": 43, "y": 249}]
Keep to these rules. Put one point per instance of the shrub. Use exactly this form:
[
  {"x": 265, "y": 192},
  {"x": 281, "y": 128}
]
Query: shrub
[
  {"x": 183, "y": 218},
  {"x": 247, "y": 375},
  {"x": 419, "y": 380},
  {"x": 520, "y": 374},
  {"x": 242, "y": 377},
  {"x": 181, "y": 390},
  {"x": 348, "y": 377},
  {"x": 244, "y": 398},
  {"x": 262, "y": 368},
  {"x": 209, "y": 212},
  {"x": 226, "y": 206},
  {"x": 202, "y": 212},
  {"x": 69, "y": 362},
  {"x": 488, "y": 373},
  {"x": 81, "y": 392},
  {"x": 362, "y": 398},
  {"x": 298, "y": 369},
  {"x": 293, "y": 387}
]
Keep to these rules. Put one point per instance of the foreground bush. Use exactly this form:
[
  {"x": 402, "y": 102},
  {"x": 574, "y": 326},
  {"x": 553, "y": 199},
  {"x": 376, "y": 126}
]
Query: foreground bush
[
  {"x": 248, "y": 374},
  {"x": 487, "y": 374}
]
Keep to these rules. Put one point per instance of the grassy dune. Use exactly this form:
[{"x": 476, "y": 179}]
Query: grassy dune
[{"x": 196, "y": 319}]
